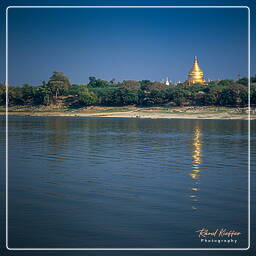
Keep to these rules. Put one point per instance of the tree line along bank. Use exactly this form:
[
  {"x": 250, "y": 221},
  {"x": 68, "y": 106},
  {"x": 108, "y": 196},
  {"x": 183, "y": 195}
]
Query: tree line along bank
[{"x": 100, "y": 92}]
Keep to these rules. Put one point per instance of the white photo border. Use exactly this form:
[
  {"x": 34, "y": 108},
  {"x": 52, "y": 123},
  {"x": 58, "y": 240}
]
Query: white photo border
[{"x": 128, "y": 249}]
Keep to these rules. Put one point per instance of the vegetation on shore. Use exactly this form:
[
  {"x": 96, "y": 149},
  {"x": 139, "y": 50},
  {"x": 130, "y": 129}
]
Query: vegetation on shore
[{"x": 58, "y": 90}]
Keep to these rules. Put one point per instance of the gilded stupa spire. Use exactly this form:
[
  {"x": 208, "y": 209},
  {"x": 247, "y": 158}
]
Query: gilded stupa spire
[{"x": 196, "y": 75}]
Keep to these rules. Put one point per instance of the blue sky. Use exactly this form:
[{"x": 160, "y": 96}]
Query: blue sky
[{"x": 126, "y": 43}]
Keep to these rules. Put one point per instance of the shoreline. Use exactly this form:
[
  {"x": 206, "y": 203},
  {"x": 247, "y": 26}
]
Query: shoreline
[{"x": 136, "y": 112}]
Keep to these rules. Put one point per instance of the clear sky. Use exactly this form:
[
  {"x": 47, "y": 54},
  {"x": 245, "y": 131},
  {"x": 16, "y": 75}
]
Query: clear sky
[{"x": 126, "y": 43}]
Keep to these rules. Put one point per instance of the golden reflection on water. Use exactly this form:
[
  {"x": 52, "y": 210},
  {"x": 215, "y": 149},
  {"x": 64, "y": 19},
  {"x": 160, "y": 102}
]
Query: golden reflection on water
[{"x": 195, "y": 172}]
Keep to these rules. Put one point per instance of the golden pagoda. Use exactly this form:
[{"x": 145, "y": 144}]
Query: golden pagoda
[{"x": 196, "y": 75}]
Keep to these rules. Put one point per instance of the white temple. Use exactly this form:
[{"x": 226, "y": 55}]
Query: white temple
[{"x": 167, "y": 81}]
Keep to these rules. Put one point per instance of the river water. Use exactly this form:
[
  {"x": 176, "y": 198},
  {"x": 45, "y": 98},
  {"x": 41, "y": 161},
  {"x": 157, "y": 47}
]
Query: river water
[{"x": 126, "y": 183}]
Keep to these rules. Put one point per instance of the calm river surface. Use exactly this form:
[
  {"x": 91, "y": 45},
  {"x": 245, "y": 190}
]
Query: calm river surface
[{"x": 105, "y": 182}]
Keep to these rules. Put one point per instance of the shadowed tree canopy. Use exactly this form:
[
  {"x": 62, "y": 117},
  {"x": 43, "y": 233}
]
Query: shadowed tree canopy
[
  {"x": 94, "y": 82},
  {"x": 131, "y": 84},
  {"x": 58, "y": 83},
  {"x": 225, "y": 92}
]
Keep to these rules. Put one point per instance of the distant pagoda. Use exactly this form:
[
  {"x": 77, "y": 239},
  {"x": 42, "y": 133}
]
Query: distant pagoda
[{"x": 196, "y": 75}]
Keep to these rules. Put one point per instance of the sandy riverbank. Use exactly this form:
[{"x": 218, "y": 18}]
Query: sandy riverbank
[{"x": 135, "y": 112}]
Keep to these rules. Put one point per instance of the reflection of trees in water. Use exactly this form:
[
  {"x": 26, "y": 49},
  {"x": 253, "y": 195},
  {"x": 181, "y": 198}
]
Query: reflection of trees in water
[
  {"x": 58, "y": 132},
  {"x": 110, "y": 138},
  {"x": 105, "y": 139},
  {"x": 195, "y": 172},
  {"x": 38, "y": 130}
]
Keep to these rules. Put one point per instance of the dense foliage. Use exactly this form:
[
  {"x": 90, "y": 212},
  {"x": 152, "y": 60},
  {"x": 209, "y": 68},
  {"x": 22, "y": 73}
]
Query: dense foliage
[{"x": 142, "y": 93}]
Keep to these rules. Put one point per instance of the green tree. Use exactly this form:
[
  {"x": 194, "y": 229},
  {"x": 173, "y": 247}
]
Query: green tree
[
  {"x": 15, "y": 96},
  {"x": 126, "y": 96},
  {"x": 179, "y": 95},
  {"x": 75, "y": 89},
  {"x": 144, "y": 83},
  {"x": 253, "y": 79},
  {"x": 195, "y": 87},
  {"x": 226, "y": 82},
  {"x": 42, "y": 95},
  {"x": 234, "y": 95},
  {"x": 157, "y": 86},
  {"x": 2, "y": 94},
  {"x": 94, "y": 82},
  {"x": 152, "y": 94},
  {"x": 209, "y": 99},
  {"x": 87, "y": 98},
  {"x": 112, "y": 81},
  {"x": 243, "y": 81},
  {"x": 28, "y": 93},
  {"x": 106, "y": 95},
  {"x": 58, "y": 83},
  {"x": 253, "y": 94},
  {"x": 131, "y": 84}
]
